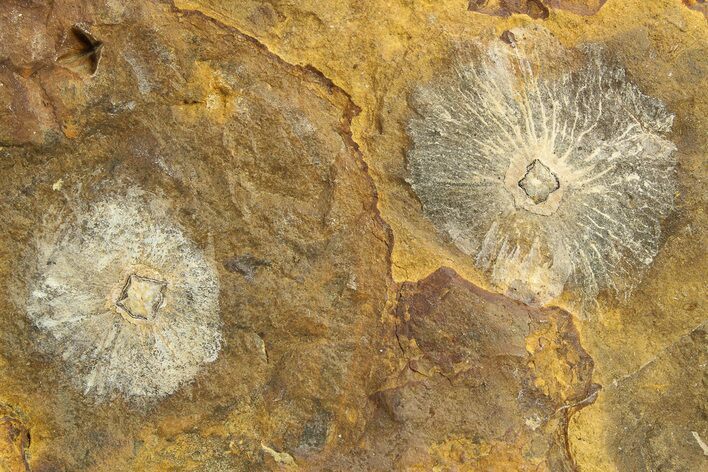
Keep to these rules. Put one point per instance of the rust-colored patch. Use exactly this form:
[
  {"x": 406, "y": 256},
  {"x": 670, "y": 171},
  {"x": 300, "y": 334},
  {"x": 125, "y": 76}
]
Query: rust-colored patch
[
  {"x": 535, "y": 8},
  {"x": 24, "y": 114},
  {"x": 698, "y": 5},
  {"x": 532, "y": 8},
  {"x": 14, "y": 440},
  {"x": 70, "y": 129},
  {"x": 484, "y": 383}
]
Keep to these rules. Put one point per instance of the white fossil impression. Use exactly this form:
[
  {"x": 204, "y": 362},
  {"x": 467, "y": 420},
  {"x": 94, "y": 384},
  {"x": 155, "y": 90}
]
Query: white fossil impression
[
  {"x": 550, "y": 174},
  {"x": 129, "y": 303}
]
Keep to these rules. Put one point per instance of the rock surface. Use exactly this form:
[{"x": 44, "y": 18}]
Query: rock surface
[
  {"x": 212, "y": 257},
  {"x": 181, "y": 158},
  {"x": 14, "y": 441},
  {"x": 486, "y": 383},
  {"x": 534, "y": 8}
]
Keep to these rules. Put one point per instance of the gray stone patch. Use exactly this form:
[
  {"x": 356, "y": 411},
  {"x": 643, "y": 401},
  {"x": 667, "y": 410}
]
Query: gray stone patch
[{"x": 545, "y": 165}]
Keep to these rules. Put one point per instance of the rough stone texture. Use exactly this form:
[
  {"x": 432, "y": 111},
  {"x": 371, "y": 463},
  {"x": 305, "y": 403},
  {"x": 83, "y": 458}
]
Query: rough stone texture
[
  {"x": 532, "y": 8},
  {"x": 251, "y": 121},
  {"x": 673, "y": 381},
  {"x": 14, "y": 441},
  {"x": 486, "y": 384},
  {"x": 188, "y": 147},
  {"x": 535, "y": 8},
  {"x": 698, "y": 5}
]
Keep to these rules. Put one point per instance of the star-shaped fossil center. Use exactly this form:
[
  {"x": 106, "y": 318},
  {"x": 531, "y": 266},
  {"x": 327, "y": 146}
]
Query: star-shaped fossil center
[
  {"x": 539, "y": 182},
  {"x": 142, "y": 297}
]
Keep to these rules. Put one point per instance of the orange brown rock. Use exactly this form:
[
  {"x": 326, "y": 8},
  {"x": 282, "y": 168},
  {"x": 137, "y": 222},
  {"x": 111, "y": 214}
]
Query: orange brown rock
[{"x": 484, "y": 382}]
